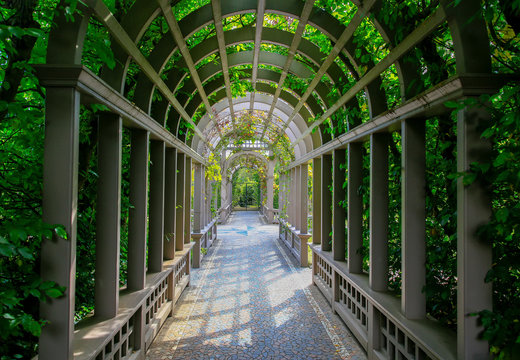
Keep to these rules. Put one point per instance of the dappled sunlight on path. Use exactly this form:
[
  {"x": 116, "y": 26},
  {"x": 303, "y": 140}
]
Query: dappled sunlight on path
[{"x": 250, "y": 301}]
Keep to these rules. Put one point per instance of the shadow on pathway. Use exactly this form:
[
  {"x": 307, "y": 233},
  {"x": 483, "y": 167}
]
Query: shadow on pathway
[{"x": 250, "y": 301}]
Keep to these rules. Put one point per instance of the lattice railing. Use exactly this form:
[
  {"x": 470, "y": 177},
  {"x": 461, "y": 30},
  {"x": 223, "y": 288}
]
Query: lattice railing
[
  {"x": 204, "y": 239},
  {"x": 140, "y": 316},
  {"x": 121, "y": 345},
  {"x": 375, "y": 317},
  {"x": 296, "y": 242},
  {"x": 158, "y": 297}
]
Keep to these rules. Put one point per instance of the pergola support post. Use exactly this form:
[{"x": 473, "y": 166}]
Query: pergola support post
[
  {"x": 316, "y": 201},
  {"x": 355, "y": 208},
  {"x": 187, "y": 201},
  {"x": 413, "y": 235},
  {"x": 304, "y": 197},
  {"x": 197, "y": 199},
  {"x": 378, "y": 276},
  {"x": 179, "y": 211},
  {"x": 292, "y": 193},
  {"x": 326, "y": 202},
  {"x": 339, "y": 196},
  {"x": 60, "y": 204},
  {"x": 156, "y": 221},
  {"x": 138, "y": 214},
  {"x": 108, "y": 216},
  {"x": 169, "y": 202},
  {"x": 474, "y": 255},
  {"x": 297, "y": 198}
]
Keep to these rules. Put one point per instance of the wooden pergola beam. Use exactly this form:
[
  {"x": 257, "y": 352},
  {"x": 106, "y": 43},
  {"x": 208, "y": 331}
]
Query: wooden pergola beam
[
  {"x": 217, "y": 17},
  {"x": 342, "y": 41},
  {"x": 97, "y": 91},
  {"x": 427, "y": 104},
  {"x": 185, "y": 52},
  {"x": 304, "y": 18},
  {"x": 415, "y": 37},
  {"x": 260, "y": 12},
  {"x": 106, "y": 17}
]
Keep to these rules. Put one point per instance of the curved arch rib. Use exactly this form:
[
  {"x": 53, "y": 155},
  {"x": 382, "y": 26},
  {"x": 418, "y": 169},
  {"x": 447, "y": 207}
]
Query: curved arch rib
[
  {"x": 120, "y": 35},
  {"x": 422, "y": 31}
]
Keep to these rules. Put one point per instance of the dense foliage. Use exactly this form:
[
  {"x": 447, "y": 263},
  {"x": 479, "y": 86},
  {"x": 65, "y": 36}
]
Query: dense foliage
[
  {"x": 24, "y": 29},
  {"x": 246, "y": 188}
]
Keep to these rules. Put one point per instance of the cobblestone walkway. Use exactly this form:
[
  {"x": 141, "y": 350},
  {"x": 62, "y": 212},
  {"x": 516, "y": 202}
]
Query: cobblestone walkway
[{"x": 249, "y": 300}]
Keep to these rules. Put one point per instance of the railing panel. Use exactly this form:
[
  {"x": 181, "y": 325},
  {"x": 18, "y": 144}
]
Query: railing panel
[
  {"x": 396, "y": 336},
  {"x": 204, "y": 239},
  {"x": 121, "y": 337}
]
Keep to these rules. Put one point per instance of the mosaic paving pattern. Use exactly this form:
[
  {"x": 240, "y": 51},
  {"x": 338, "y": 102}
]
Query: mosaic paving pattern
[{"x": 250, "y": 301}]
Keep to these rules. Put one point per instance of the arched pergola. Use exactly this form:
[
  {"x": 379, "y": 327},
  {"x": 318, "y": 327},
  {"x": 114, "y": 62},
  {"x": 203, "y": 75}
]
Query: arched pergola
[
  {"x": 229, "y": 167},
  {"x": 177, "y": 100}
]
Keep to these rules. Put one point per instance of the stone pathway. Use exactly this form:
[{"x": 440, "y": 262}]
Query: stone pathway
[{"x": 249, "y": 300}]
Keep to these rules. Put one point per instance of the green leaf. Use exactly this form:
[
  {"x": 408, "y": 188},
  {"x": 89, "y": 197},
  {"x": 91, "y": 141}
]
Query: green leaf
[
  {"x": 60, "y": 231},
  {"x": 502, "y": 215},
  {"x": 453, "y": 105},
  {"x": 469, "y": 179},
  {"x": 26, "y": 253},
  {"x": 54, "y": 293},
  {"x": 31, "y": 325}
]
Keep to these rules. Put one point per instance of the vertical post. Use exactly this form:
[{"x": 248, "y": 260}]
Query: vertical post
[
  {"x": 108, "y": 216},
  {"x": 156, "y": 238},
  {"x": 326, "y": 202},
  {"x": 223, "y": 191},
  {"x": 179, "y": 211},
  {"x": 378, "y": 277},
  {"x": 197, "y": 199},
  {"x": 230, "y": 196},
  {"x": 304, "y": 197},
  {"x": 355, "y": 208},
  {"x": 413, "y": 243},
  {"x": 474, "y": 256},
  {"x": 60, "y": 203},
  {"x": 316, "y": 201},
  {"x": 270, "y": 191},
  {"x": 203, "y": 212},
  {"x": 138, "y": 213},
  {"x": 281, "y": 194},
  {"x": 297, "y": 198},
  {"x": 209, "y": 194},
  {"x": 291, "y": 195},
  {"x": 338, "y": 235},
  {"x": 187, "y": 202},
  {"x": 169, "y": 203}
]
